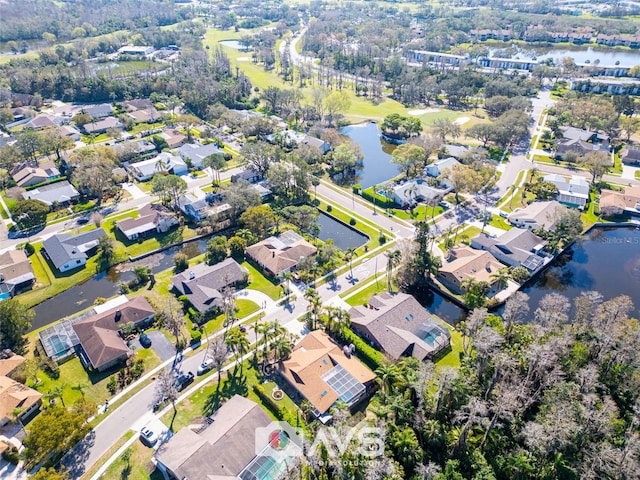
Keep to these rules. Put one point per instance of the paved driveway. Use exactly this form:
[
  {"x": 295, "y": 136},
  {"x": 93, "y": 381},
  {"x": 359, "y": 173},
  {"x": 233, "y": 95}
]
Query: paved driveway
[{"x": 160, "y": 343}]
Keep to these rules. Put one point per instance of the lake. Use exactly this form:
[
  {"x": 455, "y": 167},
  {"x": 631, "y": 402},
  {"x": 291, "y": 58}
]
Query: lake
[
  {"x": 606, "y": 260},
  {"x": 342, "y": 235},
  {"x": 377, "y": 166},
  {"x": 234, "y": 44},
  {"x": 606, "y": 56}
]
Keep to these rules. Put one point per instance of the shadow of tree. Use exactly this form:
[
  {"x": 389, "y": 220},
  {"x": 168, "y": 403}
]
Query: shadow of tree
[
  {"x": 74, "y": 460},
  {"x": 235, "y": 383}
]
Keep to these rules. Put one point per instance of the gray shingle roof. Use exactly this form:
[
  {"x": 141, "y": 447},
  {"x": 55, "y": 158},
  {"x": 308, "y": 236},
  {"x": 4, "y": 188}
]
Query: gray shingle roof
[
  {"x": 203, "y": 284},
  {"x": 55, "y": 192},
  {"x": 64, "y": 247}
]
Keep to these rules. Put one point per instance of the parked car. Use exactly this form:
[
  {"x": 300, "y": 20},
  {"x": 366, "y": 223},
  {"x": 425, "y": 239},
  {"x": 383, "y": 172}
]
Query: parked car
[
  {"x": 148, "y": 437},
  {"x": 243, "y": 329},
  {"x": 445, "y": 205},
  {"x": 205, "y": 367},
  {"x": 83, "y": 220},
  {"x": 503, "y": 214},
  {"x": 145, "y": 341},
  {"x": 184, "y": 380}
]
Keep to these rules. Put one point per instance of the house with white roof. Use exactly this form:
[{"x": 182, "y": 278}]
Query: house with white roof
[
  {"x": 412, "y": 191},
  {"x": 196, "y": 153},
  {"x": 164, "y": 162},
  {"x": 436, "y": 168},
  {"x": 573, "y": 192}
]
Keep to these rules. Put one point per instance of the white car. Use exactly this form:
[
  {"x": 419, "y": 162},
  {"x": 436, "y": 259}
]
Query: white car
[
  {"x": 148, "y": 437},
  {"x": 205, "y": 367}
]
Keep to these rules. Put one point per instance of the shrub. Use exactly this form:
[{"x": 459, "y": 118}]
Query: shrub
[
  {"x": 356, "y": 188},
  {"x": 28, "y": 249},
  {"x": 329, "y": 208},
  {"x": 352, "y": 221},
  {"x": 196, "y": 336},
  {"x": 369, "y": 355},
  {"x": 11, "y": 455},
  {"x": 382, "y": 239},
  {"x": 112, "y": 385},
  {"x": 181, "y": 262}
]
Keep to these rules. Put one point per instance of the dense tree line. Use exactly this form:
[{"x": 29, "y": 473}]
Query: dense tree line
[{"x": 67, "y": 20}]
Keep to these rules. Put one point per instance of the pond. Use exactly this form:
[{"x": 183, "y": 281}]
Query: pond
[
  {"x": 440, "y": 306},
  {"x": 105, "y": 284},
  {"x": 342, "y": 235},
  {"x": 234, "y": 44},
  {"x": 377, "y": 166},
  {"x": 606, "y": 56}
]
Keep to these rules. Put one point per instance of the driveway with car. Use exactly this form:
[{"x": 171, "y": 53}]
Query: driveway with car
[{"x": 161, "y": 344}]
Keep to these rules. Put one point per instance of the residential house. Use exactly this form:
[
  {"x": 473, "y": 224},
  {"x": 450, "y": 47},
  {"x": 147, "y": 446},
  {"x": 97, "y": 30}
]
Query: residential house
[
  {"x": 98, "y": 112},
  {"x": 465, "y": 262},
  {"x": 196, "y": 153},
  {"x": 224, "y": 447},
  {"x": 399, "y": 326},
  {"x": 409, "y": 192},
  {"x": 71, "y": 132},
  {"x": 614, "y": 203},
  {"x": 630, "y": 155},
  {"x": 195, "y": 205},
  {"x": 136, "y": 50},
  {"x": 16, "y": 273},
  {"x": 101, "y": 345},
  {"x": 203, "y": 284},
  {"x": 39, "y": 122},
  {"x": 436, "y": 169},
  {"x": 152, "y": 218},
  {"x": 164, "y": 162},
  {"x": 455, "y": 151},
  {"x": 323, "y": 145},
  {"x": 574, "y": 192},
  {"x": 149, "y": 115},
  {"x": 517, "y": 247},
  {"x": 325, "y": 373},
  {"x": 29, "y": 176},
  {"x": 535, "y": 216},
  {"x": 67, "y": 251},
  {"x": 277, "y": 255},
  {"x": 16, "y": 399},
  {"x": 248, "y": 175},
  {"x": 174, "y": 138},
  {"x": 580, "y": 141},
  {"x": 139, "y": 147},
  {"x": 136, "y": 104},
  {"x": 61, "y": 192},
  {"x": 101, "y": 126}
]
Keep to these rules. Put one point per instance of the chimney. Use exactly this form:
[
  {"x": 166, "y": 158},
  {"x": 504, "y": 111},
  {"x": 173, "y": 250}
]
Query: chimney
[
  {"x": 273, "y": 254},
  {"x": 118, "y": 315}
]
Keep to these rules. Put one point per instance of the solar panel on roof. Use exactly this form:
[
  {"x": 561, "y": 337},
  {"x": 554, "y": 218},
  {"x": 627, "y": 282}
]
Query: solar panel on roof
[{"x": 345, "y": 385}]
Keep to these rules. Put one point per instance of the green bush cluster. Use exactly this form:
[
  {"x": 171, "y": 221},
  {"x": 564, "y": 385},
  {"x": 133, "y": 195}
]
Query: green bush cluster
[
  {"x": 352, "y": 221},
  {"x": 11, "y": 455},
  {"x": 269, "y": 402},
  {"x": 369, "y": 355},
  {"x": 196, "y": 336}
]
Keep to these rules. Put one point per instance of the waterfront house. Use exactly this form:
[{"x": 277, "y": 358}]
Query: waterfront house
[
  {"x": 399, "y": 326},
  {"x": 535, "y": 216},
  {"x": 615, "y": 203},
  {"x": 324, "y": 373},
  {"x": 60, "y": 192},
  {"x": 16, "y": 273},
  {"x": 323, "y": 145},
  {"x": 517, "y": 247},
  {"x": 465, "y": 262},
  {"x": 436, "y": 168},
  {"x": 223, "y": 447},
  {"x": 67, "y": 251},
  {"x": 203, "y": 284},
  {"x": 574, "y": 192},
  {"x": 142, "y": 50},
  {"x": 101, "y": 343},
  {"x": 17, "y": 401},
  {"x": 409, "y": 192},
  {"x": 277, "y": 255},
  {"x": 152, "y": 218}
]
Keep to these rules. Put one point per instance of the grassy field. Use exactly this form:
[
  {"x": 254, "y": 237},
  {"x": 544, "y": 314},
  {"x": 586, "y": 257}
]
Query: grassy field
[
  {"x": 499, "y": 222},
  {"x": 463, "y": 236},
  {"x": 363, "y": 296}
]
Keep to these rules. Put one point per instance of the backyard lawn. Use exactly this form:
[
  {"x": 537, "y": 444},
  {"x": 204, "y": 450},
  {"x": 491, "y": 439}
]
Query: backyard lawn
[{"x": 257, "y": 281}]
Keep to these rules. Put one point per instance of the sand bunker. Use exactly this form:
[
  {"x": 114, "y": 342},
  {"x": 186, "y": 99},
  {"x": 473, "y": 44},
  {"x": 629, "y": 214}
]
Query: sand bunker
[
  {"x": 242, "y": 59},
  {"x": 461, "y": 120},
  {"x": 422, "y": 111}
]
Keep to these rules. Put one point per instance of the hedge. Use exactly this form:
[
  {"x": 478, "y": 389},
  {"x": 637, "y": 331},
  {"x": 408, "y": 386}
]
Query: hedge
[
  {"x": 42, "y": 184},
  {"x": 381, "y": 200},
  {"x": 365, "y": 352},
  {"x": 268, "y": 402}
]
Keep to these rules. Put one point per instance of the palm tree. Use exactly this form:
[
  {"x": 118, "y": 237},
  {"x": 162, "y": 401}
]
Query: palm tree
[
  {"x": 237, "y": 341},
  {"x": 501, "y": 277},
  {"x": 374, "y": 195},
  {"x": 57, "y": 392},
  {"x": 532, "y": 173},
  {"x": 337, "y": 319},
  {"x": 287, "y": 277},
  {"x": 263, "y": 328},
  {"x": 387, "y": 374},
  {"x": 348, "y": 255},
  {"x": 407, "y": 448},
  {"x": 315, "y": 305},
  {"x": 388, "y": 192},
  {"x": 393, "y": 259},
  {"x": 79, "y": 387}
]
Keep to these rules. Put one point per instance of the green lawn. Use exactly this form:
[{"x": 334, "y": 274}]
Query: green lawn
[
  {"x": 464, "y": 235},
  {"x": 589, "y": 216},
  {"x": 144, "y": 127},
  {"x": 363, "y": 296},
  {"x": 499, "y": 222},
  {"x": 76, "y": 382},
  {"x": 452, "y": 359},
  {"x": 637, "y": 174},
  {"x": 139, "y": 467},
  {"x": 245, "y": 308},
  {"x": 421, "y": 212},
  {"x": 257, "y": 281},
  {"x": 207, "y": 399}
]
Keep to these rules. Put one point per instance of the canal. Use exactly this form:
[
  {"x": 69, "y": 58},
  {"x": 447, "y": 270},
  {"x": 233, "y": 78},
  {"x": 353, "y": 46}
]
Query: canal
[{"x": 343, "y": 236}]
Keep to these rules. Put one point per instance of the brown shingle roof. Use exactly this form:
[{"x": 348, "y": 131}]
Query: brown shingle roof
[
  {"x": 282, "y": 253},
  {"x": 14, "y": 265},
  {"x": 8, "y": 365},
  {"x": 313, "y": 357},
  {"x": 465, "y": 262},
  {"x": 15, "y": 395},
  {"x": 99, "y": 336}
]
